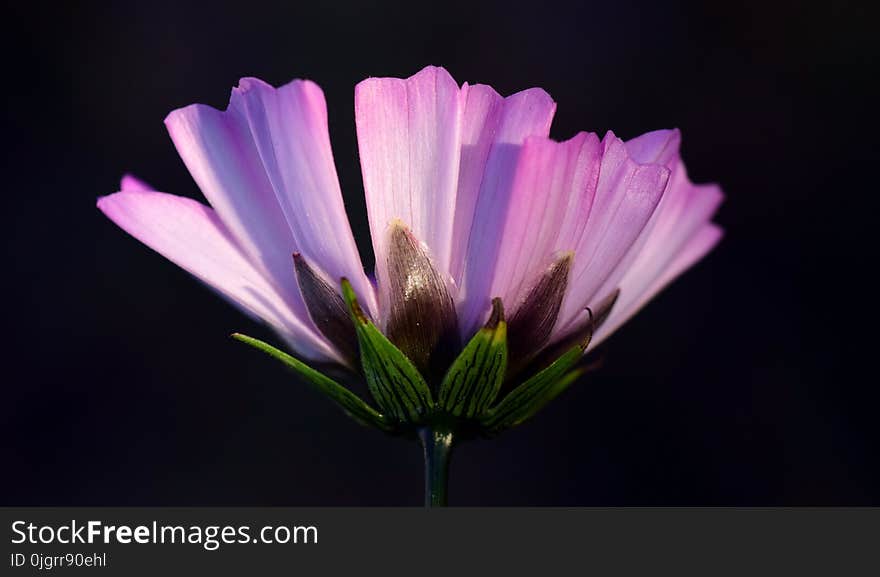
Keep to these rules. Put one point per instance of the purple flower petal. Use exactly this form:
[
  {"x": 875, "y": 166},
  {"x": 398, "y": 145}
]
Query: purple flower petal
[
  {"x": 683, "y": 212},
  {"x": 409, "y": 141},
  {"x": 192, "y": 236},
  {"x": 635, "y": 294},
  {"x": 289, "y": 129},
  {"x": 655, "y": 147},
  {"x": 442, "y": 160},
  {"x": 683, "y": 209},
  {"x": 133, "y": 183},
  {"x": 627, "y": 194},
  {"x": 493, "y": 131},
  {"x": 549, "y": 206},
  {"x": 487, "y": 186},
  {"x": 219, "y": 151}
]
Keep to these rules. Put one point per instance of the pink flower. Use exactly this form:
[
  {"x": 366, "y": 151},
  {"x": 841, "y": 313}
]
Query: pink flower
[{"x": 468, "y": 199}]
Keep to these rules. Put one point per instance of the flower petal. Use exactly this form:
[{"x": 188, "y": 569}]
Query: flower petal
[
  {"x": 549, "y": 205},
  {"x": 493, "y": 130},
  {"x": 634, "y": 294},
  {"x": 130, "y": 182},
  {"x": 192, "y": 236},
  {"x": 655, "y": 147},
  {"x": 442, "y": 160},
  {"x": 684, "y": 208},
  {"x": 493, "y": 133},
  {"x": 219, "y": 151},
  {"x": 627, "y": 194},
  {"x": 408, "y": 137},
  {"x": 289, "y": 129}
]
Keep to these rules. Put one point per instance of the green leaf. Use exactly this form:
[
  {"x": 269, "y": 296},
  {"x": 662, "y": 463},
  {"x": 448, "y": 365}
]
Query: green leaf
[
  {"x": 353, "y": 405},
  {"x": 531, "y": 396},
  {"x": 474, "y": 379},
  {"x": 393, "y": 380}
]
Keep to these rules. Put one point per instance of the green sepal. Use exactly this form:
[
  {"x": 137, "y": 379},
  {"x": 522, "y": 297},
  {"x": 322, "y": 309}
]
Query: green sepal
[
  {"x": 472, "y": 382},
  {"x": 395, "y": 383},
  {"x": 532, "y": 395},
  {"x": 353, "y": 405}
]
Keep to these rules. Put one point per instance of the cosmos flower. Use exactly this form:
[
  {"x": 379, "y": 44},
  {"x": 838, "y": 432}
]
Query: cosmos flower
[{"x": 501, "y": 254}]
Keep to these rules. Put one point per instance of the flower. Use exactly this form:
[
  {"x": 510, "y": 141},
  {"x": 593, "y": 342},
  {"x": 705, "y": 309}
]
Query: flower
[{"x": 499, "y": 251}]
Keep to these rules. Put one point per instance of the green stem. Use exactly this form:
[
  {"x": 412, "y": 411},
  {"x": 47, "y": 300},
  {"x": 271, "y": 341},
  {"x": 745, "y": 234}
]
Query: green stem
[{"x": 438, "y": 448}]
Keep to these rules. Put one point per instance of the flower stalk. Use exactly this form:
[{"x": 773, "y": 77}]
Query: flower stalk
[{"x": 437, "y": 443}]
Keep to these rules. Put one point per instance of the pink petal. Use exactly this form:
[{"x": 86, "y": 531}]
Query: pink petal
[
  {"x": 678, "y": 234},
  {"x": 634, "y": 295},
  {"x": 442, "y": 160},
  {"x": 684, "y": 208},
  {"x": 130, "y": 182},
  {"x": 192, "y": 236},
  {"x": 289, "y": 129},
  {"x": 549, "y": 205},
  {"x": 493, "y": 129},
  {"x": 656, "y": 147},
  {"x": 219, "y": 151},
  {"x": 627, "y": 194},
  {"x": 409, "y": 137}
]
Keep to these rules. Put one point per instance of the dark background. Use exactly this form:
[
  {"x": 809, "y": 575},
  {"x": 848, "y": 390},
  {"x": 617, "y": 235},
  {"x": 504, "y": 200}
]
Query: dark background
[{"x": 740, "y": 385}]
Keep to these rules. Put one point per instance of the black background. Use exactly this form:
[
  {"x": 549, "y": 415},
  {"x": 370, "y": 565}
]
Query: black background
[{"x": 739, "y": 385}]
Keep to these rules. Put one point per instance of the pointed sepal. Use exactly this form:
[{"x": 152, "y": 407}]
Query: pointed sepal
[
  {"x": 596, "y": 319},
  {"x": 474, "y": 379},
  {"x": 422, "y": 320},
  {"x": 393, "y": 380},
  {"x": 532, "y": 395},
  {"x": 534, "y": 317},
  {"x": 326, "y": 309},
  {"x": 353, "y": 405}
]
